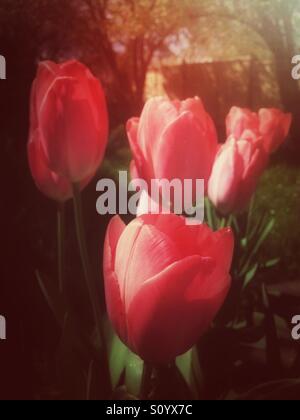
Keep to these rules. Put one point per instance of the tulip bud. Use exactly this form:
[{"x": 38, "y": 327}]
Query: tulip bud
[
  {"x": 165, "y": 282},
  {"x": 236, "y": 172},
  {"x": 272, "y": 125},
  {"x": 68, "y": 108}
]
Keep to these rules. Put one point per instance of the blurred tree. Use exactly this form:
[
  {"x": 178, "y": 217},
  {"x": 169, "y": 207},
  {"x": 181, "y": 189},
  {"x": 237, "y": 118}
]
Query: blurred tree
[
  {"x": 276, "y": 23},
  {"x": 138, "y": 31}
]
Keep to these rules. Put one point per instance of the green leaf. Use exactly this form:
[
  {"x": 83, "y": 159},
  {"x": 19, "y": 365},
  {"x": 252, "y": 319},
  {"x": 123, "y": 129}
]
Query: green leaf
[
  {"x": 264, "y": 235},
  {"x": 222, "y": 223},
  {"x": 272, "y": 263},
  {"x": 289, "y": 289},
  {"x": 250, "y": 215},
  {"x": 52, "y": 297},
  {"x": 122, "y": 360},
  {"x": 189, "y": 367},
  {"x": 244, "y": 243},
  {"x": 273, "y": 346},
  {"x": 250, "y": 275},
  {"x": 255, "y": 230},
  {"x": 133, "y": 374},
  {"x": 89, "y": 380},
  {"x": 235, "y": 225},
  {"x": 117, "y": 360}
]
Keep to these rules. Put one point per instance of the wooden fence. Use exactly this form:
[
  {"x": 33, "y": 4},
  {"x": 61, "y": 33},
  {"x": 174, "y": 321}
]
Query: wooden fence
[{"x": 221, "y": 85}]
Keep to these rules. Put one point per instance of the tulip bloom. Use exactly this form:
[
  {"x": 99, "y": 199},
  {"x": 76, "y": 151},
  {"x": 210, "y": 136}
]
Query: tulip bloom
[
  {"x": 236, "y": 172},
  {"x": 68, "y": 108},
  {"x": 172, "y": 140},
  {"x": 165, "y": 282},
  {"x": 271, "y": 124}
]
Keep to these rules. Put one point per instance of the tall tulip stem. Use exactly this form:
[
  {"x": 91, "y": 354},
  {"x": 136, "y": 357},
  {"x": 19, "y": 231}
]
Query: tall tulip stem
[
  {"x": 61, "y": 245},
  {"x": 91, "y": 286},
  {"x": 146, "y": 382},
  {"x": 93, "y": 294}
]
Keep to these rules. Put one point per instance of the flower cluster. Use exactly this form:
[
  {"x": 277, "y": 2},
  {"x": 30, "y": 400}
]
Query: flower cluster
[{"x": 165, "y": 281}]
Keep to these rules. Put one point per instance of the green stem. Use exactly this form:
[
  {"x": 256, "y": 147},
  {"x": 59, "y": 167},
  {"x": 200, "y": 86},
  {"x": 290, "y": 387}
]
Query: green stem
[
  {"x": 93, "y": 294},
  {"x": 91, "y": 286},
  {"x": 146, "y": 382},
  {"x": 208, "y": 209},
  {"x": 249, "y": 218},
  {"x": 61, "y": 245}
]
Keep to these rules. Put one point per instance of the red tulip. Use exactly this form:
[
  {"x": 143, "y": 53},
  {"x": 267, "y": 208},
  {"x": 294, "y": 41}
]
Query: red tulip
[
  {"x": 274, "y": 127},
  {"x": 172, "y": 140},
  {"x": 165, "y": 282},
  {"x": 236, "y": 172},
  {"x": 271, "y": 124},
  {"x": 49, "y": 183},
  {"x": 69, "y": 109}
]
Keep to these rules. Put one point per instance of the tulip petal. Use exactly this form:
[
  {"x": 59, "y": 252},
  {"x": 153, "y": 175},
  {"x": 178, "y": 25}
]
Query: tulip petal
[
  {"x": 173, "y": 310},
  {"x": 115, "y": 306},
  {"x": 223, "y": 248},
  {"x": 185, "y": 149},
  {"x": 67, "y": 123},
  {"x": 74, "y": 67},
  {"x": 53, "y": 186},
  {"x": 225, "y": 179},
  {"x": 48, "y": 71},
  {"x": 157, "y": 114},
  {"x": 114, "y": 231},
  {"x": 138, "y": 166},
  {"x": 251, "y": 177},
  {"x": 185, "y": 236},
  {"x": 239, "y": 120},
  {"x": 195, "y": 105},
  {"x": 148, "y": 206},
  {"x": 274, "y": 127},
  {"x": 142, "y": 252}
]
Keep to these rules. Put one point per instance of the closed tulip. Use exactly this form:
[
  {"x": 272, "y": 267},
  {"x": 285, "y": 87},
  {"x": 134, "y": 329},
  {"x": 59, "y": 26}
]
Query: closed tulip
[
  {"x": 236, "y": 172},
  {"x": 69, "y": 109},
  {"x": 272, "y": 125},
  {"x": 165, "y": 282},
  {"x": 172, "y": 140}
]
